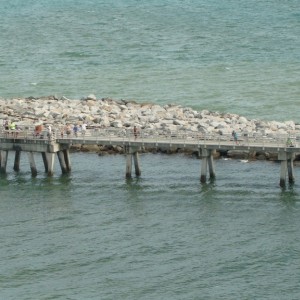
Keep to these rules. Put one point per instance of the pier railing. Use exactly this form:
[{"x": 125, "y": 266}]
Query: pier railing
[{"x": 156, "y": 136}]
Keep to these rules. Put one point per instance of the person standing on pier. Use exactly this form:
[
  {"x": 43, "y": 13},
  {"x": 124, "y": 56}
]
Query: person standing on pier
[
  {"x": 6, "y": 125},
  {"x": 75, "y": 129},
  {"x": 135, "y": 132},
  {"x": 235, "y": 136},
  {"x": 62, "y": 131},
  {"x": 83, "y": 129},
  {"x": 49, "y": 131},
  {"x": 68, "y": 130},
  {"x": 12, "y": 127}
]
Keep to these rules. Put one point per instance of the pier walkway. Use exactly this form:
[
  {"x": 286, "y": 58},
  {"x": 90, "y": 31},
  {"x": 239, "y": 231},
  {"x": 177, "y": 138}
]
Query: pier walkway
[{"x": 26, "y": 140}]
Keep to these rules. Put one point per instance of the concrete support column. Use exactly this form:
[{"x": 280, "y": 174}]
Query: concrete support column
[
  {"x": 4, "y": 156},
  {"x": 17, "y": 161},
  {"x": 207, "y": 161},
  {"x": 32, "y": 163},
  {"x": 67, "y": 159},
  {"x": 44, "y": 156},
  {"x": 203, "y": 169},
  {"x": 211, "y": 165},
  {"x": 290, "y": 168},
  {"x": 50, "y": 160},
  {"x": 286, "y": 167},
  {"x": 61, "y": 159},
  {"x": 136, "y": 163},
  {"x": 283, "y": 170},
  {"x": 128, "y": 165},
  {"x": 132, "y": 154}
]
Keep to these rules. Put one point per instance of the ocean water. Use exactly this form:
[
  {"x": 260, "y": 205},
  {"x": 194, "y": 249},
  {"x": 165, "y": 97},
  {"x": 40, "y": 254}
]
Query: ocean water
[
  {"x": 231, "y": 56},
  {"x": 95, "y": 235}
]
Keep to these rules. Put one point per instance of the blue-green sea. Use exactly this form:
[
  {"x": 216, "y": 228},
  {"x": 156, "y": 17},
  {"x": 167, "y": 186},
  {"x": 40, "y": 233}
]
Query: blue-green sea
[
  {"x": 235, "y": 56},
  {"x": 93, "y": 234}
]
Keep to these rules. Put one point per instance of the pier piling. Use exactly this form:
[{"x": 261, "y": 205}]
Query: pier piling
[
  {"x": 128, "y": 165},
  {"x": 136, "y": 163},
  {"x": 50, "y": 160},
  {"x": 4, "y": 156},
  {"x": 290, "y": 168},
  {"x": 207, "y": 161},
  {"x": 62, "y": 162},
  {"x": 67, "y": 159},
  {"x": 286, "y": 167},
  {"x": 17, "y": 161},
  {"x": 211, "y": 165},
  {"x": 132, "y": 155},
  {"x": 32, "y": 163},
  {"x": 44, "y": 157},
  {"x": 203, "y": 169}
]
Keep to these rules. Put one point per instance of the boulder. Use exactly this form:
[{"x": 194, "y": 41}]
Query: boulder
[{"x": 91, "y": 97}]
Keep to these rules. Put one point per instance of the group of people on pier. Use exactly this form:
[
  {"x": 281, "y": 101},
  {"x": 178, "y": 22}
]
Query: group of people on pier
[
  {"x": 10, "y": 127},
  {"x": 76, "y": 129},
  {"x": 67, "y": 130},
  {"x": 43, "y": 130}
]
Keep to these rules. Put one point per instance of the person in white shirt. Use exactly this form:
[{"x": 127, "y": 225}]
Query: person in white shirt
[{"x": 83, "y": 129}]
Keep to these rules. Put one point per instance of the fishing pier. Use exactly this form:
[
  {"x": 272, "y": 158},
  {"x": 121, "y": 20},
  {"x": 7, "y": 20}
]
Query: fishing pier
[{"x": 59, "y": 145}]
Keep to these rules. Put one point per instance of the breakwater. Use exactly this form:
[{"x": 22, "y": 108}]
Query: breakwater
[
  {"x": 109, "y": 113},
  {"x": 123, "y": 114}
]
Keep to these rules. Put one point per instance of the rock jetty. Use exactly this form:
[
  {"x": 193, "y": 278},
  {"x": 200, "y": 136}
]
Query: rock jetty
[{"x": 109, "y": 113}]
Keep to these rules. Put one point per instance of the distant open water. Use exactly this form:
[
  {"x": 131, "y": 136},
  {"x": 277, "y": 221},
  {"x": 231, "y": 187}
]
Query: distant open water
[
  {"x": 93, "y": 234},
  {"x": 231, "y": 56}
]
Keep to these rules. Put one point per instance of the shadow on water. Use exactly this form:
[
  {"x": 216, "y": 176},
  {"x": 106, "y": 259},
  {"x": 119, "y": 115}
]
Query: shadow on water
[
  {"x": 63, "y": 179},
  {"x": 289, "y": 195},
  {"x": 3, "y": 176},
  {"x": 135, "y": 195},
  {"x": 133, "y": 185},
  {"x": 208, "y": 186}
]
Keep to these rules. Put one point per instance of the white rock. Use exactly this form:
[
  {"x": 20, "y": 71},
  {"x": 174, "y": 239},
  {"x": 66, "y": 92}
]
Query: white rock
[
  {"x": 242, "y": 120},
  {"x": 91, "y": 97},
  {"x": 117, "y": 124},
  {"x": 290, "y": 125},
  {"x": 153, "y": 119},
  {"x": 156, "y": 108},
  {"x": 179, "y": 122}
]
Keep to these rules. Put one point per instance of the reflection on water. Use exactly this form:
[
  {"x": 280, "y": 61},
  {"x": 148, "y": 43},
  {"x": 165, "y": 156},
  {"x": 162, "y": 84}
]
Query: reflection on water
[{"x": 289, "y": 195}]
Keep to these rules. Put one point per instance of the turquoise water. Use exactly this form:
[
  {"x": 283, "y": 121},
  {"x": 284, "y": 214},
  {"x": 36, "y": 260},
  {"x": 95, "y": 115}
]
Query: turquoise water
[
  {"x": 235, "y": 56},
  {"x": 95, "y": 235}
]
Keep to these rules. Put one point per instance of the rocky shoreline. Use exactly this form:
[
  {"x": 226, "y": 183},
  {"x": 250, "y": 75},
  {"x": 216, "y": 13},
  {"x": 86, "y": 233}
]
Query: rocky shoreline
[{"x": 109, "y": 113}]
